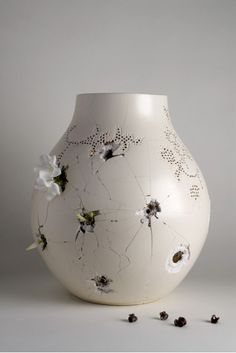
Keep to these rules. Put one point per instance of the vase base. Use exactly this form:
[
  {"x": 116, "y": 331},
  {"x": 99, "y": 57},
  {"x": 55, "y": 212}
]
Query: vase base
[{"x": 103, "y": 302}]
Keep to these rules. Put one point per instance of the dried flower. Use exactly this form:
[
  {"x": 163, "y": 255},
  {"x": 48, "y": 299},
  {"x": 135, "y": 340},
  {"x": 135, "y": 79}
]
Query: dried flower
[
  {"x": 102, "y": 283},
  {"x": 132, "y": 318},
  {"x": 107, "y": 150},
  {"x": 214, "y": 319},
  {"x": 41, "y": 240},
  {"x": 164, "y": 315},
  {"x": 86, "y": 221},
  {"x": 150, "y": 210},
  {"x": 177, "y": 258},
  {"x": 180, "y": 322}
]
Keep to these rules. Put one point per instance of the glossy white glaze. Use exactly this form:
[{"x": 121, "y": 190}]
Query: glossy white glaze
[{"x": 124, "y": 160}]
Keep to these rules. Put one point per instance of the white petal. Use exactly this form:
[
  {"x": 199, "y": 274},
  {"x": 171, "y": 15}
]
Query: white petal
[
  {"x": 144, "y": 220},
  {"x": 54, "y": 161},
  {"x": 139, "y": 213},
  {"x": 55, "y": 188},
  {"x": 56, "y": 171},
  {"x": 89, "y": 228},
  {"x": 45, "y": 160},
  {"x": 37, "y": 169},
  {"x": 175, "y": 269},
  {"x": 44, "y": 182},
  {"x": 53, "y": 191},
  {"x": 45, "y": 175},
  {"x": 105, "y": 290},
  {"x": 40, "y": 187}
]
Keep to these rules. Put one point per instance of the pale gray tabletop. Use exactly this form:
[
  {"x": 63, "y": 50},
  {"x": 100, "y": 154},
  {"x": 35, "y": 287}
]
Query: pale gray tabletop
[{"x": 37, "y": 314}]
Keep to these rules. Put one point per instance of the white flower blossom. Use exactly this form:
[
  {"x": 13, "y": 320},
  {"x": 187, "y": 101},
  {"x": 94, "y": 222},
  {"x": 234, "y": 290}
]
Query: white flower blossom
[
  {"x": 46, "y": 171},
  {"x": 178, "y": 258}
]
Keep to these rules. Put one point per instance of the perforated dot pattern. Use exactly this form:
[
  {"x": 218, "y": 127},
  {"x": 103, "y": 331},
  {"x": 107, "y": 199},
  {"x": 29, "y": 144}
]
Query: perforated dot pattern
[
  {"x": 98, "y": 139},
  {"x": 178, "y": 156}
]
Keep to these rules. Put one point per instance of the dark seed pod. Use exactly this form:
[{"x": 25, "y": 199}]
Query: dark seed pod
[
  {"x": 132, "y": 318},
  {"x": 214, "y": 319},
  {"x": 164, "y": 315},
  {"x": 176, "y": 323},
  {"x": 180, "y": 322}
]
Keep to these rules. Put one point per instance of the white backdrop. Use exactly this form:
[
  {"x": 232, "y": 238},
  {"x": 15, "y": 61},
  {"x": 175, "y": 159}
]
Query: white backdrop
[{"x": 51, "y": 50}]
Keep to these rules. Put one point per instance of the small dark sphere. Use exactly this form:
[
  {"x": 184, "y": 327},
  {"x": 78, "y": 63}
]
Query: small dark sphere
[
  {"x": 176, "y": 322},
  {"x": 180, "y": 322},
  {"x": 164, "y": 315},
  {"x": 132, "y": 318},
  {"x": 214, "y": 319}
]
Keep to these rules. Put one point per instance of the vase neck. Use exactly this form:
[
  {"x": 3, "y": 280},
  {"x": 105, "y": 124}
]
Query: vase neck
[{"x": 131, "y": 112}]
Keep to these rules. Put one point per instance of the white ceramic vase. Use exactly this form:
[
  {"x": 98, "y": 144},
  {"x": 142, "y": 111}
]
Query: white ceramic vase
[{"x": 120, "y": 209}]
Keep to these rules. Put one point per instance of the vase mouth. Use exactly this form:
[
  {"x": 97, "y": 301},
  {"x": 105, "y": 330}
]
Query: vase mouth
[
  {"x": 96, "y": 107},
  {"x": 121, "y": 93}
]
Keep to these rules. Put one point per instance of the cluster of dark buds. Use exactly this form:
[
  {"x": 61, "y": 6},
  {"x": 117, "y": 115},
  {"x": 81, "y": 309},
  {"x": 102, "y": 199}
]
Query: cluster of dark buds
[
  {"x": 132, "y": 318},
  {"x": 164, "y": 315},
  {"x": 180, "y": 322},
  {"x": 102, "y": 281},
  {"x": 214, "y": 319}
]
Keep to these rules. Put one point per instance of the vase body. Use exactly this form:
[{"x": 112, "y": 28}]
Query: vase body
[{"x": 134, "y": 213}]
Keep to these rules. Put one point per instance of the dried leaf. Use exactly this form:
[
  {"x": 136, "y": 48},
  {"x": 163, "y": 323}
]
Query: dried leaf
[{"x": 34, "y": 245}]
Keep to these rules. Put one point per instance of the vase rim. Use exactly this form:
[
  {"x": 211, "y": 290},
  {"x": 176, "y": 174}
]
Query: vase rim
[{"x": 121, "y": 93}]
